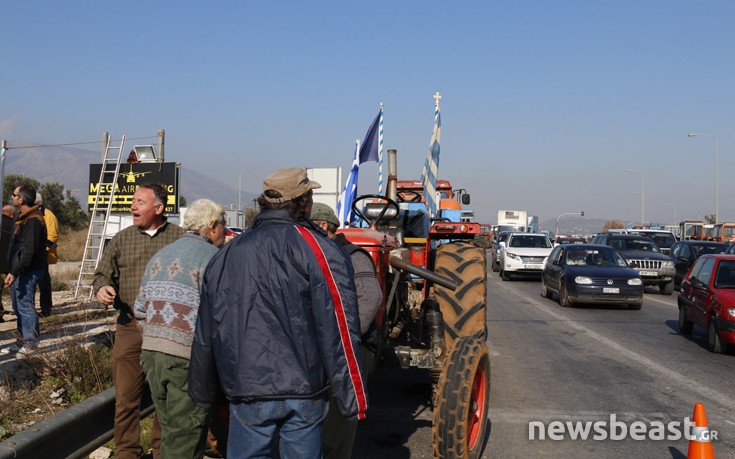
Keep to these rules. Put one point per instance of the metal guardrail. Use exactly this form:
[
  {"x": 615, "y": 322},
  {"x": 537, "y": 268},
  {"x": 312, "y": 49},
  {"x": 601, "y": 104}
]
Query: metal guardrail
[{"x": 73, "y": 433}]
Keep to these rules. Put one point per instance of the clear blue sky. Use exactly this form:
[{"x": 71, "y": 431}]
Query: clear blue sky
[{"x": 545, "y": 103}]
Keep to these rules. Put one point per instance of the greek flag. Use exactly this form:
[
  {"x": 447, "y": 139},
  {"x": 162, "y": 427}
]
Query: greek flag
[
  {"x": 344, "y": 206},
  {"x": 431, "y": 166},
  {"x": 367, "y": 151}
]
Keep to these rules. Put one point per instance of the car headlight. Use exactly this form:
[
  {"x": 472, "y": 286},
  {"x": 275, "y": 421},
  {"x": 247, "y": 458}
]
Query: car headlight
[
  {"x": 667, "y": 264},
  {"x": 731, "y": 312},
  {"x": 635, "y": 281},
  {"x": 582, "y": 280},
  {"x": 512, "y": 255}
]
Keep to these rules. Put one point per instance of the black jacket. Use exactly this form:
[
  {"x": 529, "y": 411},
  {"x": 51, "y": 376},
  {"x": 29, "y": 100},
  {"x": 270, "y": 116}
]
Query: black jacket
[
  {"x": 27, "y": 251},
  {"x": 272, "y": 325}
]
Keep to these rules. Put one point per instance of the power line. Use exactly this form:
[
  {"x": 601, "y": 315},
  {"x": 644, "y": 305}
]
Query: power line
[{"x": 74, "y": 143}]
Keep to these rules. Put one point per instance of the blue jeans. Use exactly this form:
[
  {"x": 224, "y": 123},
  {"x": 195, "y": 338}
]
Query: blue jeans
[
  {"x": 24, "y": 306},
  {"x": 255, "y": 426}
]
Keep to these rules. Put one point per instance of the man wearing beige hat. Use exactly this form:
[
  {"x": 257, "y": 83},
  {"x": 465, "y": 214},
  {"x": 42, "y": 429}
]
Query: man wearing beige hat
[
  {"x": 278, "y": 328},
  {"x": 339, "y": 433}
]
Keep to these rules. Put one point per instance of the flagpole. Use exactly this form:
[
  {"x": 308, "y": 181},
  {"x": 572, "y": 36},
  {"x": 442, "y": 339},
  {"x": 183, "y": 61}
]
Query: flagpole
[
  {"x": 430, "y": 172},
  {"x": 349, "y": 192},
  {"x": 380, "y": 152}
]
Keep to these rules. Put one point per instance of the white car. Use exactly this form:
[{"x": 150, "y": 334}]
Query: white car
[{"x": 524, "y": 253}]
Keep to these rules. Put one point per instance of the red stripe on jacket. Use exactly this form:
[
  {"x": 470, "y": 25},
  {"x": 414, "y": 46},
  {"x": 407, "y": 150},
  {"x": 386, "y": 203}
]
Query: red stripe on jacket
[{"x": 339, "y": 313}]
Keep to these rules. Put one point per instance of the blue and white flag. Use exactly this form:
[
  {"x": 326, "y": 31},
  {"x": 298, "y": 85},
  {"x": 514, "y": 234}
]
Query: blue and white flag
[
  {"x": 367, "y": 151},
  {"x": 344, "y": 206},
  {"x": 431, "y": 166}
]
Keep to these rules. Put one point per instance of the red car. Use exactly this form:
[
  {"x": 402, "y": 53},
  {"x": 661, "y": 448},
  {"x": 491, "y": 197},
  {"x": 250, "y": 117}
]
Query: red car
[{"x": 707, "y": 299}]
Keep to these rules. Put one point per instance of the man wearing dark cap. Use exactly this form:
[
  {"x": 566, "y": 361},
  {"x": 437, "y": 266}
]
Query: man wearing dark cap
[
  {"x": 339, "y": 433},
  {"x": 278, "y": 328}
]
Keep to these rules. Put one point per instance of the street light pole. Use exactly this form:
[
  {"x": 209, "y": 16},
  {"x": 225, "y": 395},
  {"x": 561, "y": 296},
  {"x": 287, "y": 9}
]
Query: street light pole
[
  {"x": 674, "y": 206},
  {"x": 565, "y": 213},
  {"x": 717, "y": 170},
  {"x": 643, "y": 192}
]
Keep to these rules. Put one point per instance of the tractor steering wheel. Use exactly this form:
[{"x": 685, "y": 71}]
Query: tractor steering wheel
[
  {"x": 413, "y": 196},
  {"x": 381, "y": 217}
]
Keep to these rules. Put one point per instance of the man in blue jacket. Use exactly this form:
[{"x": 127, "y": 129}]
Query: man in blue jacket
[{"x": 278, "y": 328}]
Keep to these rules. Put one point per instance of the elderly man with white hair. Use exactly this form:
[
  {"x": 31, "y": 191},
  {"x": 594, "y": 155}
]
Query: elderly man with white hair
[{"x": 167, "y": 307}]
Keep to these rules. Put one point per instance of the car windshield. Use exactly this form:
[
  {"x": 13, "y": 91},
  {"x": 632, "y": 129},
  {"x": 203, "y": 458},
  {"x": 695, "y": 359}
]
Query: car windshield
[
  {"x": 663, "y": 240},
  {"x": 709, "y": 248},
  {"x": 570, "y": 240},
  {"x": 530, "y": 241},
  {"x": 725, "y": 274},
  {"x": 634, "y": 244},
  {"x": 594, "y": 257}
]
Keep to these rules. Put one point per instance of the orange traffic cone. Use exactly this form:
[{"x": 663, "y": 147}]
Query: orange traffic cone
[{"x": 700, "y": 444}]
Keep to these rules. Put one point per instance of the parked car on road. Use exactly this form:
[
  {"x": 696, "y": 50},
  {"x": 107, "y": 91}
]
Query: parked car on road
[
  {"x": 524, "y": 253},
  {"x": 664, "y": 239},
  {"x": 586, "y": 273},
  {"x": 643, "y": 255},
  {"x": 231, "y": 232},
  {"x": 707, "y": 299},
  {"x": 685, "y": 253},
  {"x": 569, "y": 240},
  {"x": 496, "y": 246}
]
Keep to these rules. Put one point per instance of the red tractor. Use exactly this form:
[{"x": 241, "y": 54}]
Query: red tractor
[{"x": 433, "y": 316}]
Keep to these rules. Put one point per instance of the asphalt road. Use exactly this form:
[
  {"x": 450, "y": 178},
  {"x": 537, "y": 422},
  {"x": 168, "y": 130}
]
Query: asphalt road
[{"x": 578, "y": 364}]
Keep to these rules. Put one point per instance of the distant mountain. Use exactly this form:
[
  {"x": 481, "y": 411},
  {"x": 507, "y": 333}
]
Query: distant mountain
[{"x": 70, "y": 166}]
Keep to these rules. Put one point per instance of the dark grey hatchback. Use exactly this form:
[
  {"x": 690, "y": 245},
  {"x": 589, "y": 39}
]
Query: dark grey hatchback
[{"x": 590, "y": 273}]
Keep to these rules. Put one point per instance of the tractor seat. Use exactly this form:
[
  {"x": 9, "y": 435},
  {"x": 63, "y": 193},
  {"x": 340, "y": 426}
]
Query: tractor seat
[{"x": 373, "y": 210}]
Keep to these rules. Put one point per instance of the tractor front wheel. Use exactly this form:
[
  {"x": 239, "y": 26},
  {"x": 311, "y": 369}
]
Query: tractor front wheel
[
  {"x": 464, "y": 308},
  {"x": 462, "y": 401}
]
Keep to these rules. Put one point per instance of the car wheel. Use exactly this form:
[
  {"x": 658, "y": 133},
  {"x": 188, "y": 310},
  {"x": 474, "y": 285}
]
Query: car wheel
[
  {"x": 685, "y": 326},
  {"x": 504, "y": 274},
  {"x": 493, "y": 264},
  {"x": 666, "y": 289},
  {"x": 713, "y": 338},
  {"x": 545, "y": 292},
  {"x": 564, "y": 300}
]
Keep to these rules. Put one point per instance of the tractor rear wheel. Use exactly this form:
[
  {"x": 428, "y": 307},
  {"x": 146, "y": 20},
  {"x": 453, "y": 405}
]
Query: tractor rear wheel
[
  {"x": 463, "y": 309},
  {"x": 462, "y": 401}
]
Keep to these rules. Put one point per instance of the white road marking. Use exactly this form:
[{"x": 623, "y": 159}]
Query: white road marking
[{"x": 623, "y": 351}]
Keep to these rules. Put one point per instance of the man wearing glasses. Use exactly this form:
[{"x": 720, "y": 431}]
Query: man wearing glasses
[{"x": 28, "y": 262}]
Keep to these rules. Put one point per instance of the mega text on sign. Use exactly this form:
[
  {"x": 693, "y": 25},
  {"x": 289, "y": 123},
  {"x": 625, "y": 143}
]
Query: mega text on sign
[{"x": 129, "y": 179}]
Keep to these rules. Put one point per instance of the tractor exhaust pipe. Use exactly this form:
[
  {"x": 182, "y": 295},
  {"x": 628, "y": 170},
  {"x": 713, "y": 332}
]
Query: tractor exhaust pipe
[
  {"x": 424, "y": 273},
  {"x": 392, "y": 189}
]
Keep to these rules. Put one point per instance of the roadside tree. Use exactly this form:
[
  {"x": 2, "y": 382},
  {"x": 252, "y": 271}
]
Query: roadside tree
[{"x": 612, "y": 224}]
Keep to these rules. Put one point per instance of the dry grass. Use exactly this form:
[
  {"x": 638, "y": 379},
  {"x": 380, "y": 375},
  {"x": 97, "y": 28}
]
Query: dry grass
[
  {"x": 47, "y": 383},
  {"x": 63, "y": 277},
  {"x": 71, "y": 245}
]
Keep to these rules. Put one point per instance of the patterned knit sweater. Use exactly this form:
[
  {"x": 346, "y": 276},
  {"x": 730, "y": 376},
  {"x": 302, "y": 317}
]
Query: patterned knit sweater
[{"x": 168, "y": 300}]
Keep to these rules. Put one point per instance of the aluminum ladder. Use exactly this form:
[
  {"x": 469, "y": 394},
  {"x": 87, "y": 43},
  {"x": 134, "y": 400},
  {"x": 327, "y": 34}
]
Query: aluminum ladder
[{"x": 100, "y": 215}]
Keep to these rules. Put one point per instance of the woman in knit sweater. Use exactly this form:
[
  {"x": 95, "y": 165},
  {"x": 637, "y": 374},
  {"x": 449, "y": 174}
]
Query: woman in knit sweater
[{"x": 167, "y": 306}]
